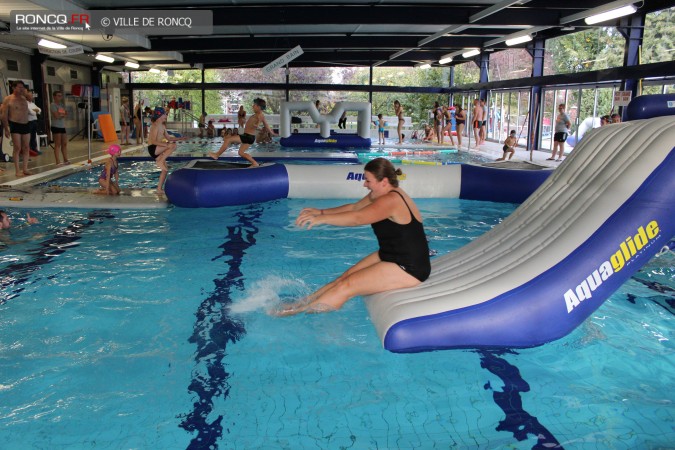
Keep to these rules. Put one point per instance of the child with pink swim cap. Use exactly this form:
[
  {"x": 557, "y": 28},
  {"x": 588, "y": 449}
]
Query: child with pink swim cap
[{"x": 110, "y": 177}]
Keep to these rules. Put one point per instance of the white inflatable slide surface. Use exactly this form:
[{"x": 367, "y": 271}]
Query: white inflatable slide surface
[{"x": 596, "y": 220}]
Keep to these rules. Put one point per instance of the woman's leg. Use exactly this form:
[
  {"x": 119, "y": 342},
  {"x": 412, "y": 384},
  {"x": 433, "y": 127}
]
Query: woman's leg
[
  {"x": 380, "y": 277},
  {"x": 460, "y": 130},
  {"x": 448, "y": 128},
  {"x": 64, "y": 147},
  {"x": 139, "y": 131},
  {"x": 299, "y": 306},
  {"x": 368, "y": 276},
  {"x": 57, "y": 148}
]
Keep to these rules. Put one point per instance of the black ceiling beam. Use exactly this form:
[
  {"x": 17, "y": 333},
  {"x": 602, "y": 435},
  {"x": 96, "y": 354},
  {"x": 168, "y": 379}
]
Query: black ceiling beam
[
  {"x": 283, "y": 86},
  {"x": 264, "y": 58},
  {"x": 281, "y": 43},
  {"x": 416, "y": 13},
  {"x": 662, "y": 69}
]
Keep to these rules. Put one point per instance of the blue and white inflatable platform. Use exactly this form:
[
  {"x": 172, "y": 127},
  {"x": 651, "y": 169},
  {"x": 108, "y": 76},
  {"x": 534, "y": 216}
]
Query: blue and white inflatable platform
[
  {"x": 209, "y": 183},
  {"x": 545, "y": 269}
]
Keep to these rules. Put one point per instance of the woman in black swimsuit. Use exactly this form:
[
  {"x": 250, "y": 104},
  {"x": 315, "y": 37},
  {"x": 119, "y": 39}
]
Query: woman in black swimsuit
[
  {"x": 402, "y": 260},
  {"x": 398, "y": 110},
  {"x": 460, "y": 120}
]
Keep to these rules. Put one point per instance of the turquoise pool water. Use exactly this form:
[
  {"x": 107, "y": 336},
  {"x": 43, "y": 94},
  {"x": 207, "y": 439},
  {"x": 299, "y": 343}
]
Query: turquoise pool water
[{"x": 148, "y": 329}]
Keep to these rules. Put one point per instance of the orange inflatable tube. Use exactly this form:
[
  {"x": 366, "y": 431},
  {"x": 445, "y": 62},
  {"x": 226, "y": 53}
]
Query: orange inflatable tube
[{"x": 105, "y": 124}]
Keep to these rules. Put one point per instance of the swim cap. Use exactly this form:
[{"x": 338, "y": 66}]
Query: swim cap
[
  {"x": 114, "y": 149},
  {"x": 159, "y": 112}
]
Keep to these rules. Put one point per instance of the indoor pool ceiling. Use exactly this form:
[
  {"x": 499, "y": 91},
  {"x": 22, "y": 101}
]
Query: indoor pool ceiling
[{"x": 252, "y": 33}]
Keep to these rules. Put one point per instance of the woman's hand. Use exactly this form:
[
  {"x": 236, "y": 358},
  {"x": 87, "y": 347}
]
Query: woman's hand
[{"x": 308, "y": 217}]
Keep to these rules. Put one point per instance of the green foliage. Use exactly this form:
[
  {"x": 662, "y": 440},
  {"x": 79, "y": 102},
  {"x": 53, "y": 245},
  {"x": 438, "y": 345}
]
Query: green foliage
[
  {"x": 467, "y": 73},
  {"x": 594, "y": 49},
  {"x": 415, "y": 105},
  {"x": 659, "y": 37},
  {"x": 510, "y": 64},
  {"x": 158, "y": 98}
]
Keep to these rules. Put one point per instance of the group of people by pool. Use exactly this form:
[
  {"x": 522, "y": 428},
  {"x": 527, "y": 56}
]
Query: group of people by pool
[{"x": 18, "y": 114}]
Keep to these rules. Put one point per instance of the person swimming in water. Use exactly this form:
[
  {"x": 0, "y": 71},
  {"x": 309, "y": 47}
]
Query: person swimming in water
[
  {"x": 402, "y": 260},
  {"x": 254, "y": 123}
]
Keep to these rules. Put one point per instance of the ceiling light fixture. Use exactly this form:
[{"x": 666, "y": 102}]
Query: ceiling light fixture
[
  {"x": 445, "y": 60},
  {"x": 105, "y": 58},
  {"x": 153, "y": 70},
  {"x": 425, "y": 66},
  {"x": 469, "y": 53},
  {"x": 132, "y": 65},
  {"x": 611, "y": 6},
  {"x": 518, "y": 40},
  {"x": 611, "y": 14},
  {"x": 49, "y": 44}
]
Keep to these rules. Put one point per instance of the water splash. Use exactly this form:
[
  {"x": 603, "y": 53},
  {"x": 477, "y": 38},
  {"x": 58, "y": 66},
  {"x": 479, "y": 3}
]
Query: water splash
[{"x": 270, "y": 292}]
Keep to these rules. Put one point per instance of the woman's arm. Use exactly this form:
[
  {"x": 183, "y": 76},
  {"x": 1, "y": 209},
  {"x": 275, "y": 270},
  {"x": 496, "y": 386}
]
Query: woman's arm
[{"x": 380, "y": 209}]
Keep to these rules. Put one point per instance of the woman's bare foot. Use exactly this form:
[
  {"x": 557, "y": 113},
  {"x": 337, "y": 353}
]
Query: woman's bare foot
[
  {"x": 214, "y": 155},
  {"x": 317, "y": 308},
  {"x": 286, "y": 312},
  {"x": 27, "y": 172}
]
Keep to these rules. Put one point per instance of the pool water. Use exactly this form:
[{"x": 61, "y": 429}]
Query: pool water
[
  {"x": 148, "y": 329},
  {"x": 139, "y": 174}
]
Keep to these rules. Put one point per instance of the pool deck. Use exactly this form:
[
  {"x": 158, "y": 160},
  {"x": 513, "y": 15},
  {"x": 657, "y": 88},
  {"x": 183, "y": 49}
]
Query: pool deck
[{"x": 20, "y": 191}]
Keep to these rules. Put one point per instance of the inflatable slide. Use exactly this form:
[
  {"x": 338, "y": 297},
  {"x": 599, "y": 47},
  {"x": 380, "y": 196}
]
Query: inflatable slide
[{"x": 539, "y": 274}]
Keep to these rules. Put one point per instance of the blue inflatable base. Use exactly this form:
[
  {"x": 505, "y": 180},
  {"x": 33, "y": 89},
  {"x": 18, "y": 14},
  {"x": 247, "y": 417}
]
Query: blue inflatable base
[
  {"x": 210, "y": 184},
  {"x": 316, "y": 140}
]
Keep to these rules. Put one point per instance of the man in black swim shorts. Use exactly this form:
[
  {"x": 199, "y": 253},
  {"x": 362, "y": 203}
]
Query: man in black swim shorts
[
  {"x": 255, "y": 122},
  {"x": 160, "y": 145},
  {"x": 14, "y": 116}
]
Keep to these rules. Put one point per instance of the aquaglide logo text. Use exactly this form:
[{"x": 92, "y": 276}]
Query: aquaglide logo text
[{"x": 616, "y": 262}]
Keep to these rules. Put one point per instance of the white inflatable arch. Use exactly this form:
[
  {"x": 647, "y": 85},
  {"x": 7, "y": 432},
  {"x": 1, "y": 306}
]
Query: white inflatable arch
[{"x": 326, "y": 120}]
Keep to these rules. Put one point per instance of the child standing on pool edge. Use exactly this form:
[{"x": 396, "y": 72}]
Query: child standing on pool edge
[
  {"x": 380, "y": 123},
  {"x": 110, "y": 177},
  {"x": 253, "y": 124}
]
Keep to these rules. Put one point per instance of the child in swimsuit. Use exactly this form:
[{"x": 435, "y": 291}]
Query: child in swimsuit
[
  {"x": 254, "y": 123},
  {"x": 509, "y": 144},
  {"x": 380, "y": 123},
  {"x": 110, "y": 178}
]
